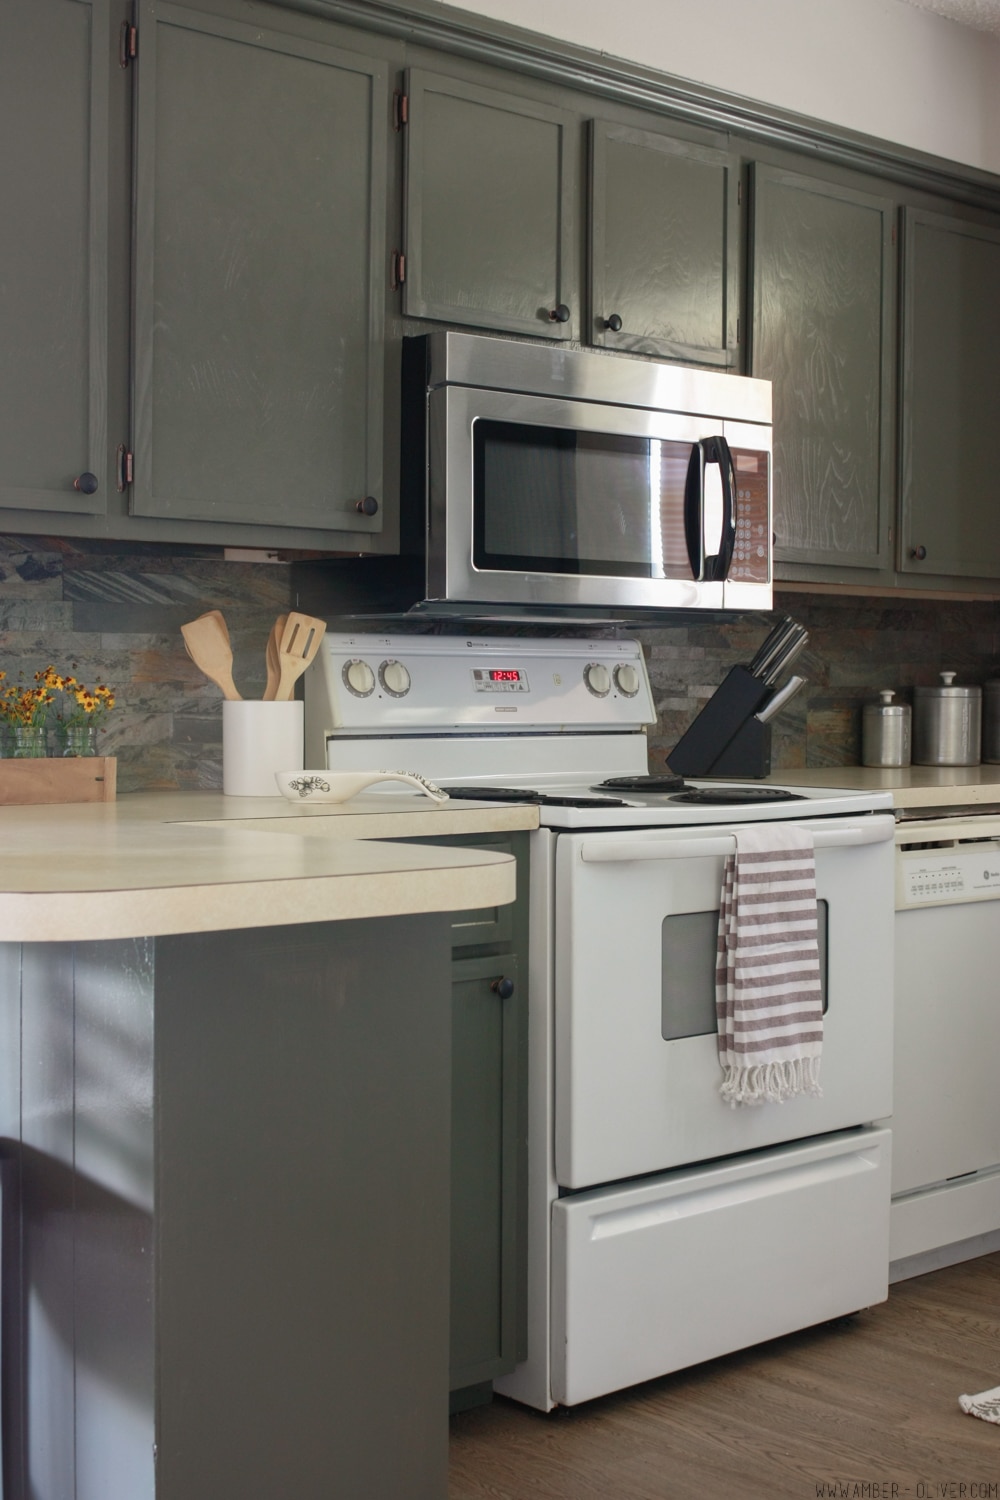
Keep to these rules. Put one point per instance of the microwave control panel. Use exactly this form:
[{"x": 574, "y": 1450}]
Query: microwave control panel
[
  {"x": 939, "y": 877},
  {"x": 749, "y": 564}
]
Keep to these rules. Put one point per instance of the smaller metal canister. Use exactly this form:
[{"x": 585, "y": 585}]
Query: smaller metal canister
[
  {"x": 947, "y": 724},
  {"x": 991, "y": 723},
  {"x": 885, "y": 732}
]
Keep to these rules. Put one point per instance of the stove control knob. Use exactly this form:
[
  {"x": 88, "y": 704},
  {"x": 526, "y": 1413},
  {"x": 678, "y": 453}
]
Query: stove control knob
[
  {"x": 627, "y": 680},
  {"x": 394, "y": 678},
  {"x": 597, "y": 678},
  {"x": 359, "y": 678}
]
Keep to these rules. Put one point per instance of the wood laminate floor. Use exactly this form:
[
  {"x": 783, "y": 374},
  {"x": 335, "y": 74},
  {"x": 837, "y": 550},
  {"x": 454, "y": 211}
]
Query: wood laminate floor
[{"x": 865, "y": 1408}]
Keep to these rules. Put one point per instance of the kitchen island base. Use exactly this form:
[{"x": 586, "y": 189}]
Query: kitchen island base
[{"x": 226, "y": 1178}]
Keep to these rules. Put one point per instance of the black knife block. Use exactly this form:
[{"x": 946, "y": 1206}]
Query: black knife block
[{"x": 725, "y": 739}]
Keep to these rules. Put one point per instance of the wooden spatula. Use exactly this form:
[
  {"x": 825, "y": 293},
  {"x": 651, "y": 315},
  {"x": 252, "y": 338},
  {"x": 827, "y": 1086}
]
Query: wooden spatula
[
  {"x": 273, "y": 664},
  {"x": 299, "y": 643},
  {"x": 207, "y": 641}
]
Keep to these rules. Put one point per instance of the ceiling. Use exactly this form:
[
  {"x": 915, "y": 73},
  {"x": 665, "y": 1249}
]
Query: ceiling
[{"x": 984, "y": 15}]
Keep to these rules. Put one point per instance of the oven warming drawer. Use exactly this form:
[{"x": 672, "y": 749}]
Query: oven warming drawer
[{"x": 653, "y": 1276}]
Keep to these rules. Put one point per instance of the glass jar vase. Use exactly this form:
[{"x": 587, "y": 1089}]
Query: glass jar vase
[
  {"x": 77, "y": 739},
  {"x": 27, "y": 741}
]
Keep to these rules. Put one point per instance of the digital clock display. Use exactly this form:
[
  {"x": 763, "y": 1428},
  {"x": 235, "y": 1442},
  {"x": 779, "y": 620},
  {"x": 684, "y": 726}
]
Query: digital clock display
[{"x": 504, "y": 674}]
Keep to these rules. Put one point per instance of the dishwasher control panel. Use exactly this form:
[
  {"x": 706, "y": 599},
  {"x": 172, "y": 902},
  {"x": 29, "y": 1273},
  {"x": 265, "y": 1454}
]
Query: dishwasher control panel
[{"x": 940, "y": 876}]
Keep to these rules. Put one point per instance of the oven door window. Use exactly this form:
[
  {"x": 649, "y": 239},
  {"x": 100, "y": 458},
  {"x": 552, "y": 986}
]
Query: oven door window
[
  {"x": 554, "y": 500},
  {"x": 689, "y": 950}
]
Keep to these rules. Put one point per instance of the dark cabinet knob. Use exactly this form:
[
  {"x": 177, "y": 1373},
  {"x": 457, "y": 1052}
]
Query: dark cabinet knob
[
  {"x": 85, "y": 483},
  {"x": 503, "y": 987},
  {"x": 919, "y": 553},
  {"x": 368, "y": 506},
  {"x": 560, "y": 314},
  {"x": 614, "y": 323}
]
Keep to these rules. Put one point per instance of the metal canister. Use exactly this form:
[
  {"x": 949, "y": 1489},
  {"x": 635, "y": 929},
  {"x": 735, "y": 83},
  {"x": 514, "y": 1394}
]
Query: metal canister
[
  {"x": 991, "y": 723},
  {"x": 885, "y": 732},
  {"x": 947, "y": 724}
]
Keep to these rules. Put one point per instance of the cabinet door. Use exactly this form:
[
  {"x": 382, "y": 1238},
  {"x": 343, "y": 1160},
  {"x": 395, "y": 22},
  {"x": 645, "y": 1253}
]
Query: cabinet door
[
  {"x": 55, "y": 58},
  {"x": 822, "y": 334},
  {"x": 664, "y": 271},
  {"x": 260, "y": 257},
  {"x": 951, "y": 335},
  {"x": 486, "y": 1159},
  {"x": 490, "y": 209}
]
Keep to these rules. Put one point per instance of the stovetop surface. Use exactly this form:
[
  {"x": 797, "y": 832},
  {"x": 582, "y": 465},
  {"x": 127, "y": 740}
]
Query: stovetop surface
[{"x": 583, "y": 802}]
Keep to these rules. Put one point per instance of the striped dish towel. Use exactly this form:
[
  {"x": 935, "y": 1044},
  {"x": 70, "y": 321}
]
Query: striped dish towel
[
  {"x": 985, "y": 1405},
  {"x": 767, "y": 986}
]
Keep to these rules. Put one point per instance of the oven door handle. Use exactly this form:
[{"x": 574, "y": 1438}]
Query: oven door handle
[{"x": 609, "y": 850}]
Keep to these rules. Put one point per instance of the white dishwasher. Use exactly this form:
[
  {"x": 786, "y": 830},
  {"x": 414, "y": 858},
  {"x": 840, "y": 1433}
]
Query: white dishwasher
[{"x": 946, "y": 1103}]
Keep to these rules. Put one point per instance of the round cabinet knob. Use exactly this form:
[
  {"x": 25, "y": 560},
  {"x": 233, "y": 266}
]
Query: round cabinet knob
[
  {"x": 503, "y": 987},
  {"x": 86, "y": 484},
  {"x": 394, "y": 678},
  {"x": 598, "y": 679},
  {"x": 560, "y": 314},
  {"x": 368, "y": 506},
  {"x": 919, "y": 553},
  {"x": 627, "y": 680},
  {"x": 614, "y": 323},
  {"x": 359, "y": 678}
]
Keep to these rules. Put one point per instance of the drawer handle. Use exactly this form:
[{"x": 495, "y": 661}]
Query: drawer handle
[{"x": 503, "y": 987}]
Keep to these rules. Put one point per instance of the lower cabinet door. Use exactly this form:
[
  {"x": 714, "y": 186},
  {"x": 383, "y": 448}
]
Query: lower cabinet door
[
  {"x": 655, "y": 1275},
  {"x": 486, "y": 1177}
]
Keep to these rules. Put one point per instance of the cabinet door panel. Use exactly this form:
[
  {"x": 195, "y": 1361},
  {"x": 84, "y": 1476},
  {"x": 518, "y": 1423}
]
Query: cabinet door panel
[
  {"x": 489, "y": 209},
  {"x": 663, "y": 245},
  {"x": 822, "y": 333},
  {"x": 486, "y": 1124},
  {"x": 54, "y": 78},
  {"x": 259, "y": 253},
  {"x": 951, "y": 335}
]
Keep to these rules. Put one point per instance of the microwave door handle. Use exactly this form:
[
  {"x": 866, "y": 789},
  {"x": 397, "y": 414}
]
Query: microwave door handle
[
  {"x": 694, "y": 511},
  {"x": 717, "y": 451}
]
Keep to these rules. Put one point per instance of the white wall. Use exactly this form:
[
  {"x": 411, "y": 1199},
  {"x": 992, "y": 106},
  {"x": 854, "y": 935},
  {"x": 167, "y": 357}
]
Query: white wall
[{"x": 878, "y": 66}]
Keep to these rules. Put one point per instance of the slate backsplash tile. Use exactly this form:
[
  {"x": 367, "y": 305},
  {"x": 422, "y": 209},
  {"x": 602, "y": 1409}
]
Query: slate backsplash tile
[{"x": 115, "y": 610}]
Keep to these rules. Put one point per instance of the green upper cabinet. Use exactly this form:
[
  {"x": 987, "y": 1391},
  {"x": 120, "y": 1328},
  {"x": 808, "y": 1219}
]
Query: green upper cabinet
[
  {"x": 491, "y": 233},
  {"x": 261, "y": 161},
  {"x": 823, "y": 334},
  {"x": 951, "y": 397},
  {"x": 663, "y": 246},
  {"x": 54, "y": 81}
]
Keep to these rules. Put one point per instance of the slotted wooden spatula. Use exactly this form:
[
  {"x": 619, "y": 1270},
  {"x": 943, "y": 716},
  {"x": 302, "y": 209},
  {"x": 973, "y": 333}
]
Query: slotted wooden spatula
[
  {"x": 207, "y": 642},
  {"x": 299, "y": 643},
  {"x": 273, "y": 664}
]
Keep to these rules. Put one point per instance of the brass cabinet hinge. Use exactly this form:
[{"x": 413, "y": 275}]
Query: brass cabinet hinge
[
  {"x": 400, "y": 110},
  {"x": 397, "y": 274},
  {"x": 128, "y": 44},
  {"x": 125, "y": 468}
]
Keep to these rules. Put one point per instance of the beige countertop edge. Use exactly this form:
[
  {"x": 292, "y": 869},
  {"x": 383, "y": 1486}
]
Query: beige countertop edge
[
  {"x": 911, "y": 786},
  {"x": 414, "y": 885}
]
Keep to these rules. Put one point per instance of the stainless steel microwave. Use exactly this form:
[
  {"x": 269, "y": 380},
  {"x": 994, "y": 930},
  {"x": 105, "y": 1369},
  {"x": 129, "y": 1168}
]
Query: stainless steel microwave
[
  {"x": 543, "y": 482},
  {"x": 538, "y": 478}
]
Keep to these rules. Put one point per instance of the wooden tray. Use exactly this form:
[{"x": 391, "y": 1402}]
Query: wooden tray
[{"x": 73, "y": 778}]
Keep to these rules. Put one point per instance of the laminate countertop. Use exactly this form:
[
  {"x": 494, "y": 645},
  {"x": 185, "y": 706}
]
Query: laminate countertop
[
  {"x": 150, "y": 864},
  {"x": 913, "y": 787}
]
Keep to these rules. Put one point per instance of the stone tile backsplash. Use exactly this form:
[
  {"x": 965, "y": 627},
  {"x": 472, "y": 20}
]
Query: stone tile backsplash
[{"x": 112, "y": 612}]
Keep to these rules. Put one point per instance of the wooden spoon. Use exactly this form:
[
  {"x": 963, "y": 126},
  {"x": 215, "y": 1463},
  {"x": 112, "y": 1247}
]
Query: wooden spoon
[
  {"x": 273, "y": 664},
  {"x": 299, "y": 643},
  {"x": 207, "y": 641}
]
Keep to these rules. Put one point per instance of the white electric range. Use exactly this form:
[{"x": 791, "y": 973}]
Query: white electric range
[{"x": 664, "y": 1228}]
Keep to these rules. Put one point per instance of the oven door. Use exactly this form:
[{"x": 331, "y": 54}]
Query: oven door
[
  {"x": 550, "y": 502},
  {"x": 637, "y": 1073}
]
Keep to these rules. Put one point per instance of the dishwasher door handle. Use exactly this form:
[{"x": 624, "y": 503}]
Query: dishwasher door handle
[{"x": 608, "y": 850}]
